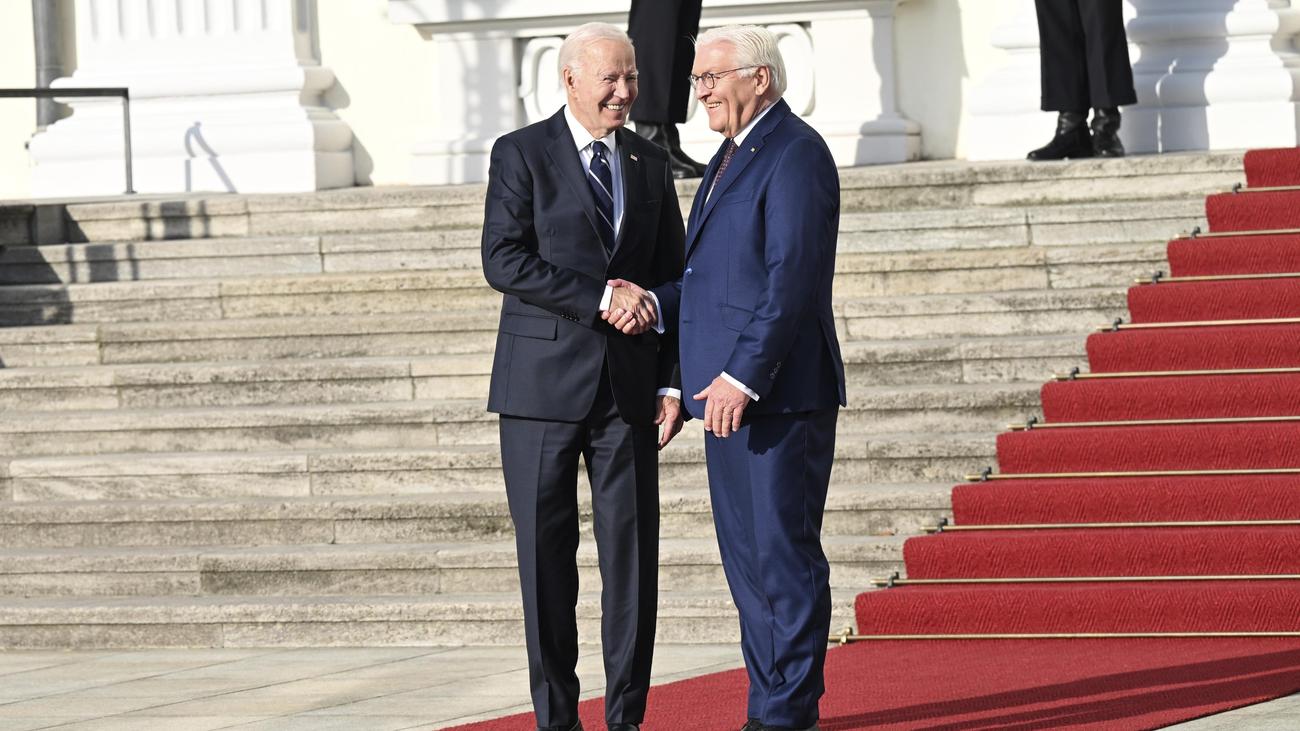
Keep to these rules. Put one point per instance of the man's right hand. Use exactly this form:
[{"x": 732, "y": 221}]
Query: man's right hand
[{"x": 631, "y": 308}]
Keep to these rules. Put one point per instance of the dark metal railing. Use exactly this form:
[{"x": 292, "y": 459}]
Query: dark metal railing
[{"x": 120, "y": 92}]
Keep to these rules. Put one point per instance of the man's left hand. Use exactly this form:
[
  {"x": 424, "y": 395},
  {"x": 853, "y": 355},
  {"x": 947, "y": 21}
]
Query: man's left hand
[
  {"x": 668, "y": 415},
  {"x": 724, "y": 408}
]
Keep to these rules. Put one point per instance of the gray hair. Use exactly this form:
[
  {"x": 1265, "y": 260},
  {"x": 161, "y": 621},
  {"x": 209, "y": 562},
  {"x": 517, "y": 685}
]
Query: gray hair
[
  {"x": 754, "y": 46},
  {"x": 571, "y": 51}
]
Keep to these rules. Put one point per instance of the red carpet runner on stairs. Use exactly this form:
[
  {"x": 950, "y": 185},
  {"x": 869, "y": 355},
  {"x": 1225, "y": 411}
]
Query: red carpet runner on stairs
[{"x": 1159, "y": 495}]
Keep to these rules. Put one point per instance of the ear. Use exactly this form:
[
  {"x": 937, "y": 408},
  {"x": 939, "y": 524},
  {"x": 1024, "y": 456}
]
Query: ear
[
  {"x": 570, "y": 80},
  {"x": 762, "y": 80}
]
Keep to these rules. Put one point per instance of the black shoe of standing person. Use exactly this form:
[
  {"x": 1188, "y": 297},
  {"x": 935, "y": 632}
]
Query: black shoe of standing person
[
  {"x": 623, "y": 727},
  {"x": 1105, "y": 133},
  {"x": 1071, "y": 141},
  {"x": 577, "y": 726},
  {"x": 666, "y": 136}
]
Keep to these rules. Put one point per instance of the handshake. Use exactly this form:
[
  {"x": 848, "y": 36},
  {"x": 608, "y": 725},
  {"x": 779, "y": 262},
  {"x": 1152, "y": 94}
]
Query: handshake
[{"x": 632, "y": 310}]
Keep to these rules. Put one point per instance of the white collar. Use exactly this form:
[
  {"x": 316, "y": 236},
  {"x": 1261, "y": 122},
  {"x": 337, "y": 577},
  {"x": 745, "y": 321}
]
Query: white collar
[
  {"x": 740, "y": 138},
  {"x": 581, "y": 137}
]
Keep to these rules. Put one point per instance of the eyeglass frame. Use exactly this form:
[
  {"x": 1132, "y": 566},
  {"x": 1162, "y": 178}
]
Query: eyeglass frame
[{"x": 710, "y": 78}]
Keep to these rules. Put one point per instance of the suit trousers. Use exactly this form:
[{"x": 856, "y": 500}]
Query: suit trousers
[
  {"x": 1084, "y": 51},
  {"x": 540, "y": 462},
  {"x": 768, "y": 484},
  {"x": 663, "y": 32}
]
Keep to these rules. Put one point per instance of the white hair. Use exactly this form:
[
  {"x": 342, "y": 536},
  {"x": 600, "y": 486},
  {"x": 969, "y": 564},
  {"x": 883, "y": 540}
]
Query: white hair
[
  {"x": 573, "y": 48},
  {"x": 754, "y": 46}
]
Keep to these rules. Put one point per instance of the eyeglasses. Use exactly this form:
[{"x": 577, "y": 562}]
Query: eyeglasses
[{"x": 710, "y": 78}]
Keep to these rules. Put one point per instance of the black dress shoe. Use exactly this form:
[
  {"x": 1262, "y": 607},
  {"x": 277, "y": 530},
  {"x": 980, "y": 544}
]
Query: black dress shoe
[
  {"x": 751, "y": 725},
  {"x": 1071, "y": 141},
  {"x": 1105, "y": 133},
  {"x": 762, "y": 727},
  {"x": 623, "y": 727},
  {"x": 667, "y": 137}
]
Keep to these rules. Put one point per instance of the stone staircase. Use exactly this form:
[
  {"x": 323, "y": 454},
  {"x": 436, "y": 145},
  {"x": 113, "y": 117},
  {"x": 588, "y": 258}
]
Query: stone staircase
[{"x": 259, "y": 420}]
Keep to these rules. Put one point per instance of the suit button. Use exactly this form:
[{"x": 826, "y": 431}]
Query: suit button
[{"x": 688, "y": 270}]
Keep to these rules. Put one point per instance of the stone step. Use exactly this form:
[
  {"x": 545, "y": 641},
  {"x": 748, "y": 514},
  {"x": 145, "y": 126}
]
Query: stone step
[
  {"x": 1024, "y": 226},
  {"x": 366, "y": 380},
  {"x": 924, "y": 185},
  {"x": 389, "y": 469},
  {"x": 1025, "y": 359},
  {"x": 239, "y": 257},
  {"x": 417, "y": 422},
  {"x": 685, "y": 564},
  {"x": 257, "y": 339},
  {"x": 1028, "y": 312},
  {"x": 343, "y": 621},
  {"x": 253, "y": 297},
  {"x": 187, "y": 385},
  {"x": 297, "y": 518}
]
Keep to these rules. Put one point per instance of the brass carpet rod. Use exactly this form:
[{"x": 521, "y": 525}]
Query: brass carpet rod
[
  {"x": 990, "y": 476},
  {"x": 1239, "y": 188},
  {"x": 1197, "y": 233},
  {"x": 1200, "y": 323},
  {"x": 894, "y": 581},
  {"x": 1150, "y": 422},
  {"x": 1216, "y": 278},
  {"x": 1099, "y": 526},
  {"x": 847, "y": 638},
  {"x": 1172, "y": 374}
]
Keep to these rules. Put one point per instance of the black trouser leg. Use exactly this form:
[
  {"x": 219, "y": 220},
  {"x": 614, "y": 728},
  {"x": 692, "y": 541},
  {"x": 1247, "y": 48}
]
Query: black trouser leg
[
  {"x": 663, "y": 32},
  {"x": 1084, "y": 52},
  {"x": 540, "y": 463}
]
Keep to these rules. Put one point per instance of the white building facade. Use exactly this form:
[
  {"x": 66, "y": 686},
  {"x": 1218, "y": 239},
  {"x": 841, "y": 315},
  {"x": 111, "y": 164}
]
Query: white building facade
[{"x": 299, "y": 95}]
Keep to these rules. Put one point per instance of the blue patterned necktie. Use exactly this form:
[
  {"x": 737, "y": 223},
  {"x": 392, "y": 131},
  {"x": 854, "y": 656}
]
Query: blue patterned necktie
[{"x": 601, "y": 179}]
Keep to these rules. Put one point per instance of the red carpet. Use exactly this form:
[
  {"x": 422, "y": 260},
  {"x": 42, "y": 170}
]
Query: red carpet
[
  {"x": 1112, "y": 607},
  {"x": 1145, "y": 448},
  {"x": 1128, "y": 499},
  {"x": 1208, "y": 348},
  {"x": 1208, "y": 551},
  {"x": 1172, "y": 397},
  {"x": 1234, "y": 255},
  {"x": 1098, "y": 685},
  {"x": 1253, "y": 211},
  {"x": 1273, "y": 168},
  {"x": 1248, "y": 299}
]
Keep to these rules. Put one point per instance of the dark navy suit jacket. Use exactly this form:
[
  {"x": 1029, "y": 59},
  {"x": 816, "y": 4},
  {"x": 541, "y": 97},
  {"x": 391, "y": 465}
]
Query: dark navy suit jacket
[
  {"x": 755, "y": 297},
  {"x": 541, "y": 249}
]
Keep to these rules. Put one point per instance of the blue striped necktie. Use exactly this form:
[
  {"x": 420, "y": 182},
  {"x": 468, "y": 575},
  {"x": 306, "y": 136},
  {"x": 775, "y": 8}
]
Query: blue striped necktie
[{"x": 601, "y": 179}]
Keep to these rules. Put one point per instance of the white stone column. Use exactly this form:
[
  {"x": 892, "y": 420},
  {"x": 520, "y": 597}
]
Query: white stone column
[
  {"x": 226, "y": 95},
  {"x": 497, "y": 57},
  {"x": 1210, "y": 75}
]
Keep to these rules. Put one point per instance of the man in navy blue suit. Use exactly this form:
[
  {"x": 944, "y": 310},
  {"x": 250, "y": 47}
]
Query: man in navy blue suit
[
  {"x": 760, "y": 356},
  {"x": 572, "y": 202}
]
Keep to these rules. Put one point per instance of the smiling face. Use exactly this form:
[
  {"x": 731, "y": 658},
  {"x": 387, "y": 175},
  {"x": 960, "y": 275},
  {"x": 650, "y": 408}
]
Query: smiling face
[
  {"x": 602, "y": 86},
  {"x": 734, "y": 100}
]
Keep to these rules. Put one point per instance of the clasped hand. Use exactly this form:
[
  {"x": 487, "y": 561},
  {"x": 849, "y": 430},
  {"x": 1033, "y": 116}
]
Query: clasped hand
[{"x": 631, "y": 308}]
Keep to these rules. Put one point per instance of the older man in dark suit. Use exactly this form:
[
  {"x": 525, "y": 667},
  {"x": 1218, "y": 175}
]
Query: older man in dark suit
[{"x": 574, "y": 202}]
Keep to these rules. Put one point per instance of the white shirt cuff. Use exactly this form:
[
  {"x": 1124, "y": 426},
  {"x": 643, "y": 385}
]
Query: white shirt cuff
[
  {"x": 659, "y": 320},
  {"x": 727, "y": 377},
  {"x": 604, "y": 301},
  {"x": 674, "y": 392}
]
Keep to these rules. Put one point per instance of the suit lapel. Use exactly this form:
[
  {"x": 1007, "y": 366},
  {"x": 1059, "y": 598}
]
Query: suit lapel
[
  {"x": 754, "y": 142},
  {"x": 636, "y": 188},
  {"x": 563, "y": 152}
]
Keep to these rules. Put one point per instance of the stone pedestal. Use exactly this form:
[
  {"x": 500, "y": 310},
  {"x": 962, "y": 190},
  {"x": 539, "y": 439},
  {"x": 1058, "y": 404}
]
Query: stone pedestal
[
  {"x": 497, "y": 58},
  {"x": 1210, "y": 75},
  {"x": 225, "y": 96}
]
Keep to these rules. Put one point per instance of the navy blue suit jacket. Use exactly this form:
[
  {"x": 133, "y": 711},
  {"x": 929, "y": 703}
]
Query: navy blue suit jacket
[
  {"x": 541, "y": 249},
  {"x": 755, "y": 297}
]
